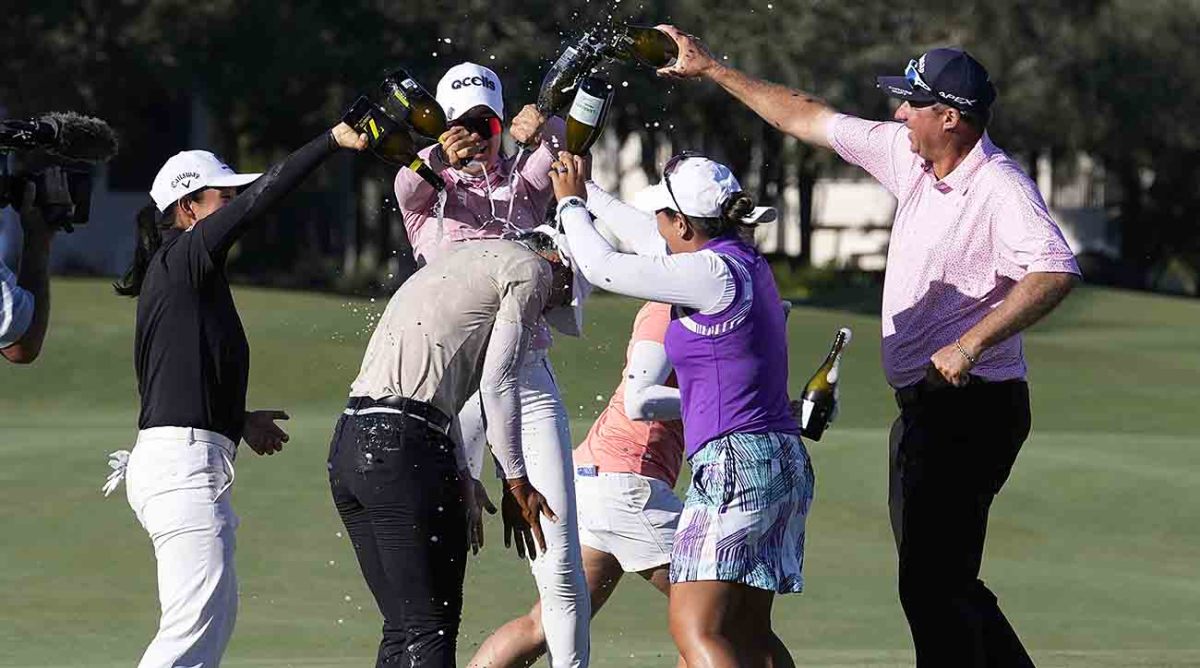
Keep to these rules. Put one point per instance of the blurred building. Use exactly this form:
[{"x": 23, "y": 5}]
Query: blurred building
[{"x": 852, "y": 214}]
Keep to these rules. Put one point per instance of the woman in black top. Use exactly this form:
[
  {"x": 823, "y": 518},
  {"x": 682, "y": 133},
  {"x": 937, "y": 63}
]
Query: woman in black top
[{"x": 193, "y": 362}]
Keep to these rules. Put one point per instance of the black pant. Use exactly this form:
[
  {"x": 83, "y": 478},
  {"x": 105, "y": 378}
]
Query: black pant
[
  {"x": 957, "y": 448},
  {"x": 396, "y": 487}
]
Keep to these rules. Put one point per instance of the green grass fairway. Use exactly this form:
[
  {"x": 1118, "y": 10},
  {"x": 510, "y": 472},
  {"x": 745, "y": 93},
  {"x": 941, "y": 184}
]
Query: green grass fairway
[{"x": 1094, "y": 545}]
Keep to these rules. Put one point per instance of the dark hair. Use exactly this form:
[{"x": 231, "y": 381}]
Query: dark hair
[
  {"x": 537, "y": 241},
  {"x": 149, "y": 238},
  {"x": 739, "y": 205},
  {"x": 977, "y": 119}
]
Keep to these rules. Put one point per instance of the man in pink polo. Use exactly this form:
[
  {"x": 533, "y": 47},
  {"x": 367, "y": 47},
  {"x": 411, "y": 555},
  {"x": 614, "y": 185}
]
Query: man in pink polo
[{"x": 974, "y": 259}]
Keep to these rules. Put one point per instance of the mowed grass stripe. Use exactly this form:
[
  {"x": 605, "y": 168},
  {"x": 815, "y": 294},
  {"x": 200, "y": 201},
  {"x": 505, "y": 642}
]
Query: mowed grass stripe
[{"x": 1093, "y": 544}]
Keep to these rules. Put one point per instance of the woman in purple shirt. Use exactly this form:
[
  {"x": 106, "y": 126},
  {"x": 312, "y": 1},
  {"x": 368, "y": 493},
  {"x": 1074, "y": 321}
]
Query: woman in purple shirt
[{"x": 741, "y": 536}]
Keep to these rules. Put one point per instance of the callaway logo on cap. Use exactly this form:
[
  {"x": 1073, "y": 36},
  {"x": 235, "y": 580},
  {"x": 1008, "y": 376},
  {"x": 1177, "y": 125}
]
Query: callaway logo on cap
[
  {"x": 949, "y": 76},
  {"x": 466, "y": 86},
  {"x": 189, "y": 171}
]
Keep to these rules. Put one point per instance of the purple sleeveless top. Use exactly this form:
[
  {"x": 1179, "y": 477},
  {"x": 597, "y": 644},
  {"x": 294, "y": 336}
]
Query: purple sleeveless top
[{"x": 732, "y": 366}]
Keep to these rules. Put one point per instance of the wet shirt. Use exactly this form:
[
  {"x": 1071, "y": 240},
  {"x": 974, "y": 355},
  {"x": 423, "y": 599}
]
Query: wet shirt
[
  {"x": 958, "y": 245},
  {"x": 190, "y": 352},
  {"x": 431, "y": 340},
  {"x": 478, "y": 207}
]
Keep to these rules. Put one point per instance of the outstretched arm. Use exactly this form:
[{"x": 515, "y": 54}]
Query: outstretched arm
[
  {"x": 223, "y": 228},
  {"x": 794, "y": 112},
  {"x": 635, "y": 229},
  {"x": 694, "y": 280}
]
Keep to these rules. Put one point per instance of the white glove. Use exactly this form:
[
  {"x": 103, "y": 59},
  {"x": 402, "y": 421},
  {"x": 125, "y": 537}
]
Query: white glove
[{"x": 117, "y": 461}]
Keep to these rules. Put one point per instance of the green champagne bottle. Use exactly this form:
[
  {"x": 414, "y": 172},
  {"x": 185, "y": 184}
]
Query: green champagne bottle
[
  {"x": 559, "y": 84},
  {"x": 410, "y": 101},
  {"x": 588, "y": 113},
  {"x": 389, "y": 140},
  {"x": 643, "y": 45},
  {"x": 821, "y": 393}
]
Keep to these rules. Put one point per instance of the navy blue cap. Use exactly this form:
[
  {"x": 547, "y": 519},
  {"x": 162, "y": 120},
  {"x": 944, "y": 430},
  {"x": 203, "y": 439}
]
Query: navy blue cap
[{"x": 949, "y": 76}]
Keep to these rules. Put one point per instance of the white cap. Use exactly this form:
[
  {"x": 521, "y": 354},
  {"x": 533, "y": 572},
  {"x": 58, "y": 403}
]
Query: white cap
[
  {"x": 567, "y": 319},
  {"x": 466, "y": 86},
  {"x": 189, "y": 171},
  {"x": 701, "y": 187}
]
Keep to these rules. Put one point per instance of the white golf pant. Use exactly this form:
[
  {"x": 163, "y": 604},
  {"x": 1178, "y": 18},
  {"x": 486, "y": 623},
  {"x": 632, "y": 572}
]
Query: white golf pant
[
  {"x": 178, "y": 483},
  {"x": 546, "y": 444}
]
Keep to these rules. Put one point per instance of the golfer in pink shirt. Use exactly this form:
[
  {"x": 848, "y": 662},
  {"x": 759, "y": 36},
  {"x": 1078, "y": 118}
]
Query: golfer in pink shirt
[{"x": 974, "y": 259}]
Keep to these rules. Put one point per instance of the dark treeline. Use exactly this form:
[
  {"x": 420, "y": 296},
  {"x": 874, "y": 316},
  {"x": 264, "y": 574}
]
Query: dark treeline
[{"x": 1117, "y": 80}]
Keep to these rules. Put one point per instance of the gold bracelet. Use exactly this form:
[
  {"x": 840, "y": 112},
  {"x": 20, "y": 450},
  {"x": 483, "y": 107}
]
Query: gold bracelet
[{"x": 964, "y": 353}]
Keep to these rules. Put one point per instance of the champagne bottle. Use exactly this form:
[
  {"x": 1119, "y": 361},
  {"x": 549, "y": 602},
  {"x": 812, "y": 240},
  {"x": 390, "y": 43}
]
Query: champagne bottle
[
  {"x": 389, "y": 140},
  {"x": 558, "y": 86},
  {"x": 408, "y": 101},
  {"x": 821, "y": 392},
  {"x": 642, "y": 45},
  {"x": 586, "y": 119}
]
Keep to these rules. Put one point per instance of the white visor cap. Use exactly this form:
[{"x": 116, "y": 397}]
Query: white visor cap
[
  {"x": 188, "y": 171},
  {"x": 466, "y": 86},
  {"x": 701, "y": 187}
]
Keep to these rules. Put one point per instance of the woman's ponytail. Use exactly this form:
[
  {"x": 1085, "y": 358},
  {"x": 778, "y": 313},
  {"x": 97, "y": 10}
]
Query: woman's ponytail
[
  {"x": 738, "y": 206},
  {"x": 149, "y": 231}
]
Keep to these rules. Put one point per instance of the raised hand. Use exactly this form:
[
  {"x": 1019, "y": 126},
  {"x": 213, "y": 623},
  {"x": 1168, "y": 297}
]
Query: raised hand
[
  {"x": 694, "y": 60},
  {"x": 347, "y": 137},
  {"x": 568, "y": 176},
  {"x": 460, "y": 145},
  {"x": 527, "y": 126}
]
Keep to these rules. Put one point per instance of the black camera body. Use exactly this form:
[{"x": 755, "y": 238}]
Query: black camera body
[
  {"x": 60, "y": 212},
  {"x": 57, "y": 153}
]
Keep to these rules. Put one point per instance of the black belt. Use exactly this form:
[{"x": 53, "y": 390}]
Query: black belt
[
  {"x": 907, "y": 397},
  {"x": 419, "y": 410}
]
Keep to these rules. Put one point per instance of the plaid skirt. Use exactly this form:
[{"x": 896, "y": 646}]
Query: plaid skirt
[{"x": 744, "y": 516}]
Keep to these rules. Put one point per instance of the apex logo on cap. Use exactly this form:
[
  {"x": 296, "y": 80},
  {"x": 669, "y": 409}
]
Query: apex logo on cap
[
  {"x": 180, "y": 179},
  {"x": 967, "y": 102},
  {"x": 473, "y": 81}
]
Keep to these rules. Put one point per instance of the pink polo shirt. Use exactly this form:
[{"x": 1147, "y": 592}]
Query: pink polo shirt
[{"x": 957, "y": 246}]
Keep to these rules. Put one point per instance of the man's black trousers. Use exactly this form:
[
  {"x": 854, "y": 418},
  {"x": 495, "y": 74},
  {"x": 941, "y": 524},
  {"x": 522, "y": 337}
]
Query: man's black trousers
[{"x": 956, "y": 449}]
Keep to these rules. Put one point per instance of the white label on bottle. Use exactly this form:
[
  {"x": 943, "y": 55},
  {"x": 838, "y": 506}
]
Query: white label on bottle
[
  {"x": 586, "y": 108},
  {"x": 567, "y": 56},
  {"x": 806, "y": 411}
]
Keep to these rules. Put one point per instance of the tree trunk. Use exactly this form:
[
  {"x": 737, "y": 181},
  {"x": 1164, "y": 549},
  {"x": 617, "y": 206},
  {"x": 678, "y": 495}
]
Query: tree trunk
[
  {"x": 806, "y": 178},
  {"x": 1133, "y": 247}
]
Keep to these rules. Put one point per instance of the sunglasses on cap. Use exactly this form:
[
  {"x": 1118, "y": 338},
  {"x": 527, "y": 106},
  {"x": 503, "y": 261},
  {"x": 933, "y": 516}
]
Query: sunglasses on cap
[
  {"x": 913, "y": 74},
  {"x": 674, "y": 162},
  {"x": 485, "y": 126}
]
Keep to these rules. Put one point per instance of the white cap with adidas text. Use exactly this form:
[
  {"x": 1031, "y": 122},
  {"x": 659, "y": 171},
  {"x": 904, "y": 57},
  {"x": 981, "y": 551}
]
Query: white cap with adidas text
[{"x": 189, "y": 171}]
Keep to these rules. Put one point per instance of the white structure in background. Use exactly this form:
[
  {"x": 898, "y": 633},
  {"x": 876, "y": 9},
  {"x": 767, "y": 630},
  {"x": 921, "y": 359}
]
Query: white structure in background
[{"x": 852, "y": 215}]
